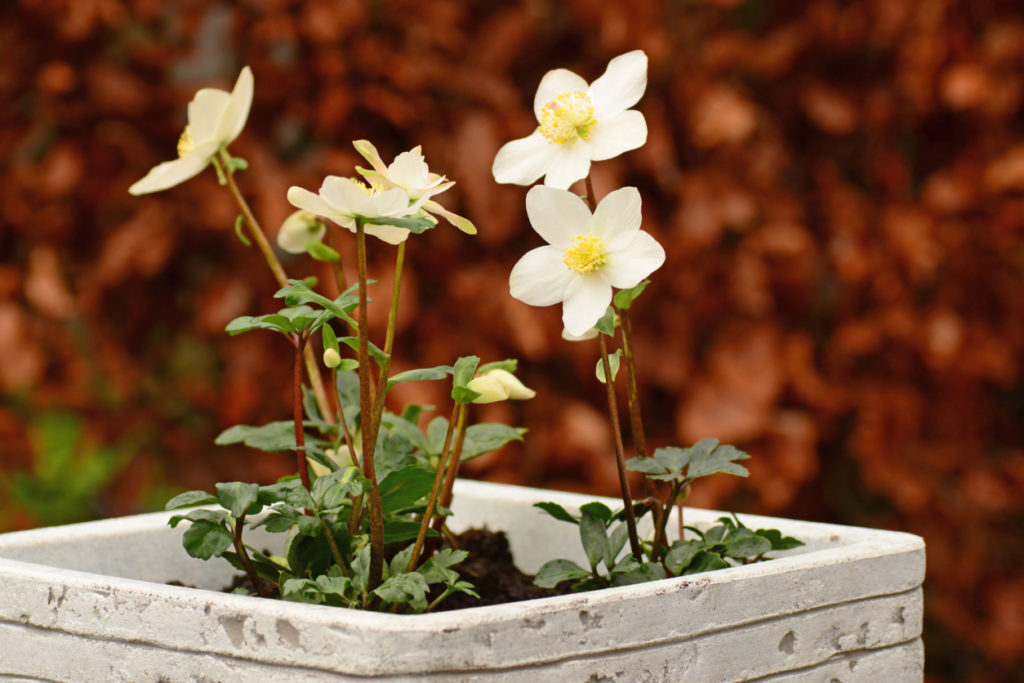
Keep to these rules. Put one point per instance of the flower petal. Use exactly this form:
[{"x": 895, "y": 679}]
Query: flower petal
[
  {"x": 611, "y": 137},
  {"x": 463, "y": 224},
  {"x": 540, "y": 278},
  {"x": 556, "y": 215},
  {"x": 170, "y": 173},
  {"x": 370, "y": 153},
  {"x": 554, "y": 83},
  {"x": 393, "y": 203},
  {"x": 586, "y": 300},
  {"x": 346, "y": 195},
  {"x": 205, "y": 112},
  {"x": 570, "y": 163},
  {"x": 523, "y": 161},
  {"x": 628, "y": 266},
  {"x": 409, "y": 170},
  {"x": 302, "y": 198},
  {"x": 388, "y": 233},
  {"x": 617, "y": 218},
  {"x": 620, "y": 86},
  {"x": 237, "y": 112}
]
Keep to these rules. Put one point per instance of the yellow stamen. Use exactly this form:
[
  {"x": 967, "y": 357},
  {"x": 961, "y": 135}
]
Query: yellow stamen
[
  {"x": 185, "y": 143},
  {"x": 586, "y": 254},
  {"x": 567, "y": 117}
]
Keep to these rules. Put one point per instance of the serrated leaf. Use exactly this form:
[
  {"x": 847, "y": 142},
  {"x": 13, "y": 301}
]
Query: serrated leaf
[
  {"x": 645, "y": 465},
  {"x": 238, "y": 497},
  {"x": 556, "y": 511},
  {"x": 556, "y": 571},
  {"x": 402, "y": 488},
  {"x": 438, "y": 372},
  {"x": 488, "y": 436},
  {"x": 705, "y": 461},
  {"x": 649, "y": 571},
  {"x": 599, "y": 510},
  {"x": 681, "y": 555},
  {"x": 209, "y": 516},
  {"x": 289, "y": 491},
  {"x": 705, "y": 561},
  {"x": 624, "y": 298},
  {"x": 778, "y": 541},
  {"x": 594, "y": 537},
  {"x": 190, "y": 499},
  {"x": 743, "y": 543},
  {"x": 206, "y": 539}
]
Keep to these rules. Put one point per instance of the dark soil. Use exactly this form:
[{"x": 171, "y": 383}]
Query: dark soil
[{"x": 489, "y": 568}]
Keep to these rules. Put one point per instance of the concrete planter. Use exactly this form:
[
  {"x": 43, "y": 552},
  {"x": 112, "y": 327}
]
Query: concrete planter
[{"x": 87, "y": 602}]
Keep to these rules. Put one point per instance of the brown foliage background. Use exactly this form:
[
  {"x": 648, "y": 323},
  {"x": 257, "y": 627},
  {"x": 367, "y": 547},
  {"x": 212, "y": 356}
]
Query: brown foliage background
[{"x": 839, "y": 187}]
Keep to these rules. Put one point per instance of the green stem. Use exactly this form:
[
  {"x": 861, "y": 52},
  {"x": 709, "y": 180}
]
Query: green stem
[
  {"x": 258, "y": 236},
  {"x": 453, "y": 467},
  {"x": 243, "y": 557},
  {"x": 636, "y": 422},
  {"x": 339, "y": 559},
  {"x": 389, "y": 342},
  {"x": 620, "y": 459},
  {"x": 368, "y": 431},
  {"x": 458, "y": 415},
  {"x": 300, "y": 435}
]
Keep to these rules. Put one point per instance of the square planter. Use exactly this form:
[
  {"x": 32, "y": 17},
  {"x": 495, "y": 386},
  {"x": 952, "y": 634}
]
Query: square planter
[{"x": 88, "y": 602}]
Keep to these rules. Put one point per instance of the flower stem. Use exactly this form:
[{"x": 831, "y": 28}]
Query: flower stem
[
  {"x": 339, "y": 559},
  {"x": 636, "y": 421},
  {"x": 456, "y": 460},
  {"x": 243, "y": 557},
  {"x": 300, "y": 435},
  {"x": 389, "y": 342},
  {"x": 458, "y": 415},
  {"x": 620, "y": 459},
  {"x": 312, "y": 370},
  {"x": 368, "y": 431}
]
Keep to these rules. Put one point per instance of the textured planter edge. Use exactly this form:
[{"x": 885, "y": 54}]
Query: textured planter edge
[{"x": 847, "y": 607}]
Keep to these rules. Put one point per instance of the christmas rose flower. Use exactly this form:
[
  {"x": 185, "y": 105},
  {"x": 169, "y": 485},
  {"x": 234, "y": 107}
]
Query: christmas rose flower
[
  {"x": 342, "y": 200},
  {"x": 215, "y": 119},
  {"x": 578, "y": 123},
  {"x": 586, "y": 256},
  {"x": 409, "y": 171}
]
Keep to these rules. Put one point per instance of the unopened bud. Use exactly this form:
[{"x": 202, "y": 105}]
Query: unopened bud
[
  {"x": 332, "y": 358},
  {"x": 516, "y": 389},
  {"x": 299, "y": 229},
  {"x": 489, "y": 388}
]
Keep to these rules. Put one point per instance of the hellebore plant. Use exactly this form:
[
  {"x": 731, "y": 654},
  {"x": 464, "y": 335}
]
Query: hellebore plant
[
  {"x": 589, "y": 253},
  {"x": 365, "y": 513}
]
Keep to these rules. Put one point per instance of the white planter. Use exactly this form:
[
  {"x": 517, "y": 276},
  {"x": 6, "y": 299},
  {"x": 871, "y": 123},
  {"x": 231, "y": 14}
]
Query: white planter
[{"x": 87, "y": 602}]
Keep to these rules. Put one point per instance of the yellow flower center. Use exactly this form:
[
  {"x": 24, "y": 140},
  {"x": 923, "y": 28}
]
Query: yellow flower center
[
  {"x": 185, "y": 143},
  {"x": 586, "y": 254},
  {"x": 568, "y": 116}
]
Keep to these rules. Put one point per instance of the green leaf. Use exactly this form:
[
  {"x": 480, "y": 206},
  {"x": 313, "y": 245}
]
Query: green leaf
[
  {"x": 681, "y": 555},
  {"x": 464, "y": 395},
  {"x": 289, "y": 491},
  {"x": 206, "y": 539},
  {"x": 438, "y": 372},
  {"x": 273, "y": 437},
  {"x": 556, "y": 571},
  {"x": 330, "y": 339},
  {"x": 274, "y": 322},
  {"x": 488, "y": 436},
  {"x": 594, "y": 538},
  {"x": 616, "y": 542},
  {"x": 705, "y": 561},
  {"x": 436, "y": 431},
  {"x": 332, "y": 490},
  {"x": 399, "y": 531},
  {"x": 716, "y": 534},
  {"x": 190, "y": 499},
  {"x": 375, "y": 351},
  {"x": 613, "y": 363},
  {"x": 509, "y": 365},
  {"x": 402, "y": 488},
  {"x": 414, "y": 224},
  {"x": 742, "y": 543},
  {"x": 778, "y": 541},
  {"x": 649, "y": 571},
  {"x": 556, "y": 511},
  {"x": 464, "y": 370},
  {"x": 624, "y": 299},
  {"x": 299, "y": 292},
  {"x": 239, "y": 497},
  {"x": 409, "y": 587},
  {"x": 606, "y": 324},
  {"x": 211, "y": 516},
  {"x": 302, "y": 590},
  {"x": 707, "y": 457},
  {"x": 599, "y": 510},
  {"x": 321, "y": 252}
]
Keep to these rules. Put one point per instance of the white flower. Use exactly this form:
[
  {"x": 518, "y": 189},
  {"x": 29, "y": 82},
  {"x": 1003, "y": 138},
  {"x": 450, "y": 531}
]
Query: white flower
[
  {"x": 409, "y": 172},
  {"x": 298, "y": 230},
  {"x": 586, "y": 336},
  {"x": 499, "y": 385},
  {"x": 587, "y": 254},
  {"x": 578, "y": 124},
  {"x": 342, "y": 200},
  {"x": 215, "y": 119}
]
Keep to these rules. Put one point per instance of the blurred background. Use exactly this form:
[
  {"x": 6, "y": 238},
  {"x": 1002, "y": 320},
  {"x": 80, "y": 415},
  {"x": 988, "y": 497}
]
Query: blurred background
[{"x": 839, "y": 185}]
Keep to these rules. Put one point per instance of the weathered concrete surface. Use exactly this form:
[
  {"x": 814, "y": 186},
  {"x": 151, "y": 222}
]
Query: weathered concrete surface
[{"x": 87, "y": 603}]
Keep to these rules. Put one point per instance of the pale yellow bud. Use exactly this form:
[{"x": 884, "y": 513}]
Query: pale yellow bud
[
  {"x": 516, "y": 389},
  {"x": 332, "y": 358},
  {"x": 490, "y": 389},
  {"x": 299, "y": 229}
]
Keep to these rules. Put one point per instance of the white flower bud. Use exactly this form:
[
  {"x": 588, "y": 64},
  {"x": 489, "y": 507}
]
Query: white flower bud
[
  {"x": 491, "y": 389},
  {"x": 516, "y": 389},
  {"x": 298, "y": 229}
]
